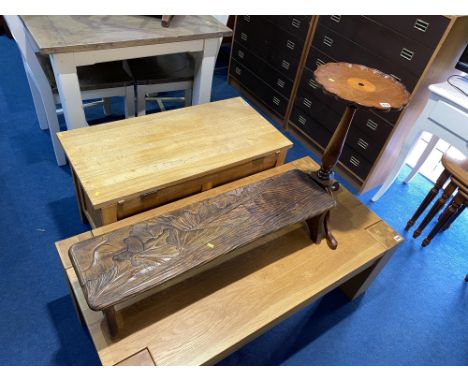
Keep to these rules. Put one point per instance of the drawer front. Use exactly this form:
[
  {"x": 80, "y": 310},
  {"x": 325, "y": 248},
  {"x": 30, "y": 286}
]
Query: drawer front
[
  {"x": 262, "y": 37},
  {"x": 298, "y": 26},
  {"x": 367, "y": 145},
  {"x": 428, "y": 30},
  {"x": 315, "y": 58},
  {"x": 339, "y": 48},
  {"x": 271, "y": 98},
  {"x": 363, "y": 144},
  {"x": 314, "y": 130},
  {"x": 384, "y": 42},
  {"x": 315, "y": 108},
  {"x": 381, "y": 124},
  {"x": 277, "y": 81},
  {"x": 451, "y": 117},
  {"x": 310, "y": 127},
  {"x": 355, "y": 162},
  {"x": 281, "y": 62},
  {"x": 178, "y": 191}
]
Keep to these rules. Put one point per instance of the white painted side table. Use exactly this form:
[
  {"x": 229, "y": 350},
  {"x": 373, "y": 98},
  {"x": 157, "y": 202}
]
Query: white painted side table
[{"x": 445, "y": 116}]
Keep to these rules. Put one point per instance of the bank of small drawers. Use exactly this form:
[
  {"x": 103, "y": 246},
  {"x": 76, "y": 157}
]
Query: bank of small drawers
[
  {"x": 265, "y": 57},
  {"x": 397, "y": 45}
]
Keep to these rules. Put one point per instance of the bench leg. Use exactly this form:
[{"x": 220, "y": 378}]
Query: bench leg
[
  {"x": 318, "y": 229},
  {"x": 358, "y": 284},
  {"x": 111, "y": 317}
]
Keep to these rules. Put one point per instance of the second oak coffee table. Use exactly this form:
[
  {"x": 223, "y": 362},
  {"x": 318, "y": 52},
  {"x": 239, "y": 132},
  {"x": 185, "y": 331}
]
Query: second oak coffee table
[{"x": 126, "y": 167}]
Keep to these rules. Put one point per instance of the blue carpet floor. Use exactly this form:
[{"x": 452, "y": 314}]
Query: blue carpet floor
[{"x": 415, "y": 313}]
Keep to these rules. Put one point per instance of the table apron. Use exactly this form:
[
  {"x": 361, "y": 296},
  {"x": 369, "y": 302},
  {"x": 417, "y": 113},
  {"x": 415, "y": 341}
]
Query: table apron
[{"x": 91, "y": 57}]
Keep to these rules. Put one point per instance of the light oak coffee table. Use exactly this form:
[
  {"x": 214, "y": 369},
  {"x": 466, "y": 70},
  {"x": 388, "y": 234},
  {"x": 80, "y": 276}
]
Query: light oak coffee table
[
  {"x": 208, "y": 316},
  {"x": 126, "y": 167}
]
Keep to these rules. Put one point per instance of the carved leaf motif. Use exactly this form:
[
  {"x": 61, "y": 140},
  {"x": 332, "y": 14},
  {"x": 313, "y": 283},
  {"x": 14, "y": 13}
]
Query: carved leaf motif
[{"x": 134, "y": 244}]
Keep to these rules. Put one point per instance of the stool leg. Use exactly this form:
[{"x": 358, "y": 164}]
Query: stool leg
[
  {"x": 453, "y": 218},
  {"x": 427, "y": 151},
  {"x": 455, "y": 204},
  {"x": 111, "y": 317},
  {"x": 429, "y": 198},
  {"x": 435, "y": 208}
]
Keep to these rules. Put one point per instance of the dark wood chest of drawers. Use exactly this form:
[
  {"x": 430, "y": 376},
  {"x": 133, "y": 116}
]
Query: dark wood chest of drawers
[
  {"x": 265, "y": 57},
  {"x": 273, "y": 59}
]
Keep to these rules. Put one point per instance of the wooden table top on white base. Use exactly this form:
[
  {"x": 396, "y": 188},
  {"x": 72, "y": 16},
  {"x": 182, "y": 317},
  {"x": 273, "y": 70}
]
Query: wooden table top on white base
[{"x": 73, "y": 41}]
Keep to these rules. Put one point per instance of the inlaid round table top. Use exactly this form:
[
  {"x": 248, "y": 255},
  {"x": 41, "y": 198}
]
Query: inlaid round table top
[{"x": 362, "y": 86}]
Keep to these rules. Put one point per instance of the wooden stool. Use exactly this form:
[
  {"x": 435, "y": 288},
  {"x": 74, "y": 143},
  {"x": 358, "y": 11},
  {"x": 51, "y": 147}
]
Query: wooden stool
[{"x": 456, "y": 173}]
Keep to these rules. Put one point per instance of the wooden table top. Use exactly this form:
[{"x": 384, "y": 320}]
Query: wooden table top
[
  {"x": 205, "y": 318},
  {"x": 60, "y": 34},
  {"x": 126, "y": 158},
  {"x": 362, "y": 86}
]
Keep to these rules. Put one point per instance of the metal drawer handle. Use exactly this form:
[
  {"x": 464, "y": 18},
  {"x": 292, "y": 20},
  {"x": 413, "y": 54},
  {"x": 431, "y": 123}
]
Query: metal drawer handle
[
  {"x": 362, "y": 143},
  {"x": 371, "y": 124},
  {"x": 240, "y": 53},
  {"x": 407, "y": 54},
  {"x": 335, "y": 18},
  {"x": 290, "y": 44},
  {"x": 328, "y": 41},
  {"x": 276, "y": 100},
  {"x": 421, "y": 25},
  {"x": 296, "y": 23},
  {"x": 285, "y": 64},
  {"x": 313, "y": 84},
  {"x": 238, "y": 70},
  {"x": 244, "y": 36},
  {"x": 307, "y": 102},
  {"x": 301, "y": 120},
  {"x": 319, "y": 62},
  {"x": 396, "y": 77},
  {"x": 247, "y": 18},
  {"x": 280, "y": 83},
  {"x": 354, "y": 161}
]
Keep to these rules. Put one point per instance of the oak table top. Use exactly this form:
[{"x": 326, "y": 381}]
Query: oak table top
[
  {"x": 61, "y": 34},
  {"x": 123, "y": 159},
  {"x": 203, "y": 319}
]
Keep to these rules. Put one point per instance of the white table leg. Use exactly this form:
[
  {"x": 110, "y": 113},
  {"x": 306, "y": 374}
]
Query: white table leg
[
  {"x": 107, "y": 106},
  {"x": 411, "y": 139},
  {"x": 427, "y": 151},
  {"x": 129, "y": 101},
  {"x": 69, "y": 89},
  {"x": 204, "y": 68},
  {"x": 40, "y": 112},
  {"x": 48, "y": 103}
]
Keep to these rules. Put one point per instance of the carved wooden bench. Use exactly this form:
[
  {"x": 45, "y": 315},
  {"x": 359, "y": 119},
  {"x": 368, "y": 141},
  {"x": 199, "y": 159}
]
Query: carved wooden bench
[{"x": 159, "y": 252}]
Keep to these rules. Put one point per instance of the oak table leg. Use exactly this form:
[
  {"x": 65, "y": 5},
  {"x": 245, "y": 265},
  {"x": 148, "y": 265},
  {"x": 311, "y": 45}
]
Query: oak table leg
[
  {"x": 109, "y": 214},
  {"x": 79, "y": 196},
  {"x": 357, "y": 285}
]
